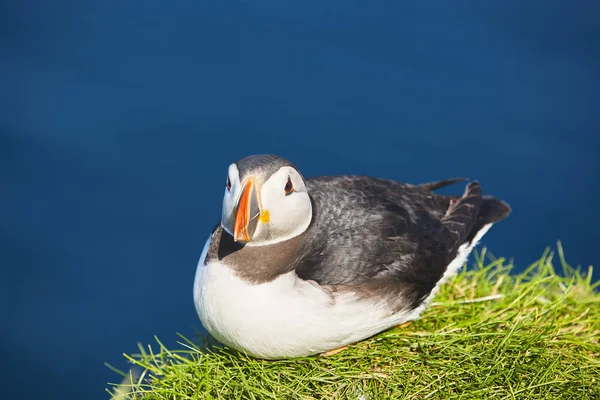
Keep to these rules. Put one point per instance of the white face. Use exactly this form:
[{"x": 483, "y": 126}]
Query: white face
[{"x": 284, "y": 213}]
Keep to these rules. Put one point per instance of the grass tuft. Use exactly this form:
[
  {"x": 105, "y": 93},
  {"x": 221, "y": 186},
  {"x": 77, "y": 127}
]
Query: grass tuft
[{"x": 489, "y": 334}]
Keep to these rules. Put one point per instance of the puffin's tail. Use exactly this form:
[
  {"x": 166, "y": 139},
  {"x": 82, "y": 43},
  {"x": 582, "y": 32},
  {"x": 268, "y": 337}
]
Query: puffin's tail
[{"x": 492, "y": 210}]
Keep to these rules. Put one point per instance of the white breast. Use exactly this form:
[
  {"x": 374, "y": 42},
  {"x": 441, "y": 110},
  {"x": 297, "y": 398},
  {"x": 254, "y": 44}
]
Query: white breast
[{"x": 288, "y": 317}]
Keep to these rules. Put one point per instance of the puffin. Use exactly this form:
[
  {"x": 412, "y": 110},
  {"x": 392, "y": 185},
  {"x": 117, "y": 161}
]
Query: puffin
[{"x": 299, "y": 267}]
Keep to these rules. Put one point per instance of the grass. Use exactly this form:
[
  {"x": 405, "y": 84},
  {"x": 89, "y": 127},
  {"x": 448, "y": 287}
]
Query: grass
[{"x": 489, "y": 334}]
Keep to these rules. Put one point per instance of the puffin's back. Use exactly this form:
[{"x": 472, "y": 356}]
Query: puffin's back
[{"x": 391, "y": 237}]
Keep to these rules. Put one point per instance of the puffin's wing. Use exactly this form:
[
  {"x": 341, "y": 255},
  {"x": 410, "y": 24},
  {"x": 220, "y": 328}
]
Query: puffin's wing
[
  {"x": 461, "y": 216},
  {"x": 389, "y": 236}
]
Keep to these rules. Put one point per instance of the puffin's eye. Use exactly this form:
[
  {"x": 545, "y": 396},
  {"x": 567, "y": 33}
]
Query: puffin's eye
[
  {"x": 289, "y": 187},
  {"x": 228, "y": 184}
]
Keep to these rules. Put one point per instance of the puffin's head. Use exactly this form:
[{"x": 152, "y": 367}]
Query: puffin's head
[{"x": 265, "y": 201}]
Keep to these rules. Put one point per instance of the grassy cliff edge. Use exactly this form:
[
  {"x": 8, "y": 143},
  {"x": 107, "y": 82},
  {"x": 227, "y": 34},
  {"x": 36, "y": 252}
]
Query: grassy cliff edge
[{"x": 489, "y": 334}]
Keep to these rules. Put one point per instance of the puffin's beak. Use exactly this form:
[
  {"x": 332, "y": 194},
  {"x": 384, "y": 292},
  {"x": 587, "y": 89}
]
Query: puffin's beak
[{"x": 246, "y": 212}]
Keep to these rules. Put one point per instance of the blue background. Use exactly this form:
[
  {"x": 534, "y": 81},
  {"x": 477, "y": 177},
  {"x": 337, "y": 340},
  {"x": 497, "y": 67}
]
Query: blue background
[{"x": 119, "y": 118}]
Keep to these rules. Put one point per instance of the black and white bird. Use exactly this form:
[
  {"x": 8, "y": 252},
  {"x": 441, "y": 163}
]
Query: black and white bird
[{"x": 302, "y": 266}]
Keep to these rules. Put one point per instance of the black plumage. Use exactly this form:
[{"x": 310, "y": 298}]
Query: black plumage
[
  {"x": 261, "y": 166},
  {"x": 387, "y": 237}
]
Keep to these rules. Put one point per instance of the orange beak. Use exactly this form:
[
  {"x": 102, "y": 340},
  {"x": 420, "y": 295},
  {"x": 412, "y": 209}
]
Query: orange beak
[{"x": 247, "y": 213}]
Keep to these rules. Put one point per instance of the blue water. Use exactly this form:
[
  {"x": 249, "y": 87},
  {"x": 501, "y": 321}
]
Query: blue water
[{"x": 119, "y": 119}]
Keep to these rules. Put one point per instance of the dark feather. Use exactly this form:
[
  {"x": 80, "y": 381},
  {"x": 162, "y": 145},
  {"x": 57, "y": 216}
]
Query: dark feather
[
  {"x": 492, "y": 210},
  {"x": 461, "y": 215},
  {"x": 386, "y": 237},
  {"x": 261, "y": 166},
  {"x": 440, "y": 184}
]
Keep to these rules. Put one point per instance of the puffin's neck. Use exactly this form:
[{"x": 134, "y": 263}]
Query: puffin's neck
[{"x": 256, "y": 264}]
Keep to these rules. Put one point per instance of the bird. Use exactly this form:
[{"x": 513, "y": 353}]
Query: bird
[{"x": 298, "y": 267}]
